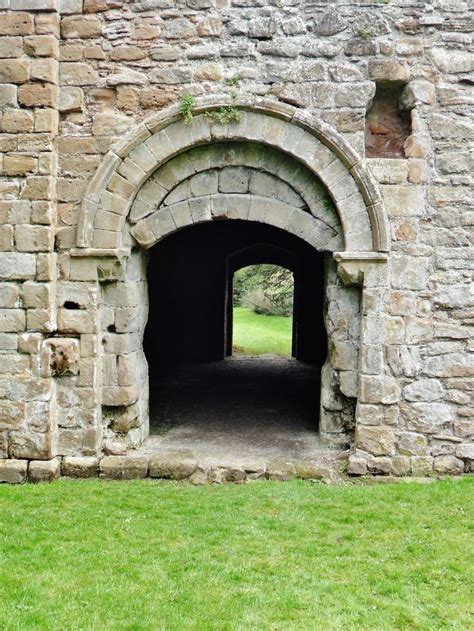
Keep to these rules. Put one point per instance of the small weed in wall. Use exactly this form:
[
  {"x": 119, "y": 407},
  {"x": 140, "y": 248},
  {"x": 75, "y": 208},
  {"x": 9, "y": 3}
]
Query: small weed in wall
[
  {"x": 225, "y": 114},
  {"x": 186, "y": 108}
]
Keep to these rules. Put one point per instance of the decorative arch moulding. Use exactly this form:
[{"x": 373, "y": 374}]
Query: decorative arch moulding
[{"x": 296, "y": 133}]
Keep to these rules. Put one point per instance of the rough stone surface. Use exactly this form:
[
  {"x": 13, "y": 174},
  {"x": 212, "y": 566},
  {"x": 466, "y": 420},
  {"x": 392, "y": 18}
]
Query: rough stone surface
[{"x": 91, "y": 165}]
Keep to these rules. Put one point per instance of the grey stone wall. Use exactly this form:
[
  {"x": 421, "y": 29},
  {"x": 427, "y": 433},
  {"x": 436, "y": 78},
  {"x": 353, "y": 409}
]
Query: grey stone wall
[{"x": 76, "y": 76}]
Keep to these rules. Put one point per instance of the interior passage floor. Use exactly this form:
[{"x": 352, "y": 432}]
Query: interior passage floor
[{"x": 238, "y": 410}]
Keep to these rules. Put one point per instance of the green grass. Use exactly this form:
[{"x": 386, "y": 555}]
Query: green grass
[
  {"x": 149, "y": 555},
  {"x": 259, "y": 334}
]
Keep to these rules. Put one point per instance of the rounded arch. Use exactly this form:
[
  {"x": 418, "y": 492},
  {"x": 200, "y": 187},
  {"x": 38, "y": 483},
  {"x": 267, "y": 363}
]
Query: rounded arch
[{"x": 313, "y": 144}]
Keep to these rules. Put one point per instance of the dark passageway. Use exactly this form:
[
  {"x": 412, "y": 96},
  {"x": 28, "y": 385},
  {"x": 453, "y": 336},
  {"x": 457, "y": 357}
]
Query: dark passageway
[{"x": 187, "y": 336}]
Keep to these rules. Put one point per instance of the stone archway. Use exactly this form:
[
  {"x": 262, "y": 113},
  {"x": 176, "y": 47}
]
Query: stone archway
[{"x": 305, "y": 179}]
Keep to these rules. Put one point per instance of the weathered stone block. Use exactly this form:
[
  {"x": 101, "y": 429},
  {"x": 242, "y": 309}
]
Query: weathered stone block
[
  {"x": 448, "y": 465},
  {"x": 80, "y": 467},
  {"x": 11, "y": 47},
  {"x": 17, "y": 121},
  {"x": 44, "y": 470},
  {"x": 424, "y": 390},
  {"x": 124, "y": 467},
  {"x": 59, "y": 357},
  {"x": 13, "y": 471},
  {"x": 83, "y": 27},
  {"x": 16, "y": 24},
  {"x": 376, "y": 440},
  {"x": 77, "y": 74},
  {"x": 37, "y": 95},
  {"x": 176, "y": 465},
  {"x": 8, "y": 95},
  {"x": 31, "y": 445},
  {"x": 41, "y": 46}
]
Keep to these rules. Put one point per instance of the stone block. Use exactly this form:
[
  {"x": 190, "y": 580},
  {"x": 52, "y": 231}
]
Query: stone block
[
  {"x": 14, "y": 71},
  {"x": 280, "y": 470},
  {"x": 19, "y": 164},
  {"x": 34, "y": 238},
  {"x": 12, "y": 320},
  {"x": 221, "y": 475},
  {"x": 31, "y": 445},
  {"x": 13, "y": 471},
  {"x": 12, "y": 414},
  {"x": 424, "y": 390},
  {"x": 411, "y": 444},
  {"x": 81, "y": 26},
  {"x": 379, "y": 389},
  {"x": 78, "y": 74},
  {"x": 17, "y": 121},
  {"x": 41, "y": 46},
  {"x": 16, "y": 24},
  {"x": 67, "y": 7},
  {"x": 377, "y": 440},
  {"x": 80, "y": 467},
  {"x": 176, "y": 465},
  {"x": 37, "y": 95},
  {"x": 15, "y": 266},
  {"x": 44, "y": 69},
  {"x": 124, "y": 467},
  {"x": 33, "y": 5},
  {"x": 44, "y": 470},
  {"x": 59, "y": 357},
  {"x": 357, "y": 465},
  {"x": 71, "y": 99},
  {"x": 47, "y": 121},
  {"x": 11, "y": 47},
  {"x": 448, "y": 465},
  {"x": 421, "y": 466},
  {"x": 110, "y": 124},
  {"x": 8, "y": 95}
]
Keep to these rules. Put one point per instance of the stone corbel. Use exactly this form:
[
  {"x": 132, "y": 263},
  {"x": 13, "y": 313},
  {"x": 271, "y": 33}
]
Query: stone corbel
[
  {"x": 110, "y": 262},
  {"x": 355, "y": 268}
]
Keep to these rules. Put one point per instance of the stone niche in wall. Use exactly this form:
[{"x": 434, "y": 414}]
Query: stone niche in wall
[{"x": 387, "y": 125}]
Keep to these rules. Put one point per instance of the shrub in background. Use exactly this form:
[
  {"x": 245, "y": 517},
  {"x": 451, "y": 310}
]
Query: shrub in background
[{"x": 265, "y": 289}]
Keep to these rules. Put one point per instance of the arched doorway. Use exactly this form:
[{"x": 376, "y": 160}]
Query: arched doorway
[{"x": 274, "y": 166}]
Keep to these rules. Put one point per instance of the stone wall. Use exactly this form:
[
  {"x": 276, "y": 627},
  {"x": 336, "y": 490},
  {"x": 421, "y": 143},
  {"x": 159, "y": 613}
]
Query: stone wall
[{"x": 76, "y": 76}]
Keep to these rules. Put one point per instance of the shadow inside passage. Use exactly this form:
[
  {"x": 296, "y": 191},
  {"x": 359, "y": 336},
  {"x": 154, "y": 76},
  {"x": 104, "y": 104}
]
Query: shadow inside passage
[{"x": 251, "y": 400}]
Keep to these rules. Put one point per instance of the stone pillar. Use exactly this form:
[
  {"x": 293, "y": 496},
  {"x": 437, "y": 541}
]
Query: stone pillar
[
  {"x": 29, "y": 34},
  {"x": 378, "y": 397}
]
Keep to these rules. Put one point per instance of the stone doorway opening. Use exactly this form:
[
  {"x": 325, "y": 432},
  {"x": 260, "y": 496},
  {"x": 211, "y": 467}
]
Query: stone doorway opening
[
  {"x": 201, "y": 395},
  {"x": 262, "y": 314}
]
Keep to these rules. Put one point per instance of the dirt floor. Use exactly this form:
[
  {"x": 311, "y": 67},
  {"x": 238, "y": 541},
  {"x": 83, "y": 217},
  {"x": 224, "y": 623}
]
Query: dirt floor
[{"x": 243, "y": 411}]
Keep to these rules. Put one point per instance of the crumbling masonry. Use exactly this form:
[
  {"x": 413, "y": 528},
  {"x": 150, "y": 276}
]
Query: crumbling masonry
[{"x": 348, "y": 124}]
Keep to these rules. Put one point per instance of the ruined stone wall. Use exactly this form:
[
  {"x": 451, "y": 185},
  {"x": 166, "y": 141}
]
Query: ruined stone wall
[{"x": 76, "y": 75}]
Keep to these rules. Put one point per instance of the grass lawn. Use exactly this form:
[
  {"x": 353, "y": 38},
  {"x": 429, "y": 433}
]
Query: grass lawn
[
  {"x": 259, "y": 334},
  {"x": 266, "y": 555}
]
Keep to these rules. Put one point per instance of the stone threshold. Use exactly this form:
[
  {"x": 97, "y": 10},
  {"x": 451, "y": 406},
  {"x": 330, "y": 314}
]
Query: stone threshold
[{"x": 182, "y": 465}]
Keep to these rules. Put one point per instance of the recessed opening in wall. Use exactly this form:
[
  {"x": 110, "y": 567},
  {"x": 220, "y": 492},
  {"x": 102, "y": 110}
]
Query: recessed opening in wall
[
  {"x": 387, "y": 126},
  {"x": 262, "y": 310},
  {"x": 201, "y": 391}
]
